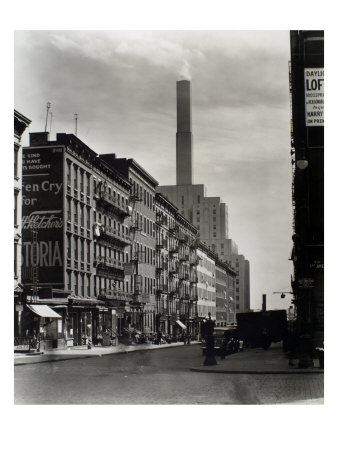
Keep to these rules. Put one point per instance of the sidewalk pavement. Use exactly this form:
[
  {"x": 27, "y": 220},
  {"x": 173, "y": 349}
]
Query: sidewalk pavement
[
  {"x": 258, "y": 361},
  {"x": 78, "y": 353}
]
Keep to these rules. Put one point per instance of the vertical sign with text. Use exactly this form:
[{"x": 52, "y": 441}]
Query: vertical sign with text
[
  {"x": 314, "y": 97},
  {"x": 42, "y": 212}
]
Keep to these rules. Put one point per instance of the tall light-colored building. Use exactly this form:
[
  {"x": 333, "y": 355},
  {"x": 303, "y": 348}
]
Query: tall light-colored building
[
  {"x": 242, "y": 290},
  {"x": 208, "y": 214}
]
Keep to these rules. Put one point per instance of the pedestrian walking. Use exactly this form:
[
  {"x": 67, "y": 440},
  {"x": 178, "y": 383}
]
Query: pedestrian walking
[{"x": 223, "y": 349}]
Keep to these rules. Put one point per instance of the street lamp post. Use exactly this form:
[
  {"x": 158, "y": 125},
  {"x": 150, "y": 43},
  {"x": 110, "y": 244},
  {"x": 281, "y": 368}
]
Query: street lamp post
[
  {"x": 210, "y": 359},
  {"x": 189, "y": 327},
  {"x": 304, "y": 281}
]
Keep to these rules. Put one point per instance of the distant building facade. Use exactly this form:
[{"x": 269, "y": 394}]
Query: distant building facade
[
  {"x": 242, "y": 290},
  {"x": 206, "y": 285},
  {"x": 176, "y": 272},
  {"x": 225, "y": 294},
  {"x": 141, "y": 255}
]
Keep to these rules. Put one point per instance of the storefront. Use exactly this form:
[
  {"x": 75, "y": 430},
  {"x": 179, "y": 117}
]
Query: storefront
[
  {"x": 90, "y": 322},
  {"x": 42, "y": 328}
]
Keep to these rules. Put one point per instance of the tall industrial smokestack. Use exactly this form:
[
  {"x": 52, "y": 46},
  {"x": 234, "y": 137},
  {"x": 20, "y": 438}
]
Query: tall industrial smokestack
[{"x": 184, "y": 173}]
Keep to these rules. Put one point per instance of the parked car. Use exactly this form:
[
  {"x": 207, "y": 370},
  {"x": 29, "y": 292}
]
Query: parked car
[{"x": 224, "y": 338}]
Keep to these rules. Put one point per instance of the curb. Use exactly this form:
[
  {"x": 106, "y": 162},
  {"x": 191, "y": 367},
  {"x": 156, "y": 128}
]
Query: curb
[
  {"x": 55, "y": 358},
  {"x": 258, "y": 372}
]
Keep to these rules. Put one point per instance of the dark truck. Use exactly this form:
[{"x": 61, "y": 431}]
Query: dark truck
[{"x": 260, "y": 329}]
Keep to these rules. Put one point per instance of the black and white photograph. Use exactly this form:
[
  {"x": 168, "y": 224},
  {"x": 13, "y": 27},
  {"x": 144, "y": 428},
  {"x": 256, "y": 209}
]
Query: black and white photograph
[{"x": 168, "y": 219}]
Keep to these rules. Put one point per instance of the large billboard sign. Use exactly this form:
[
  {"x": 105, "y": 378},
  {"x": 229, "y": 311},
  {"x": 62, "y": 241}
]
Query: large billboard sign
[
  {"x": 42, "y": 212},
  {"x": 314, "y": 97}
]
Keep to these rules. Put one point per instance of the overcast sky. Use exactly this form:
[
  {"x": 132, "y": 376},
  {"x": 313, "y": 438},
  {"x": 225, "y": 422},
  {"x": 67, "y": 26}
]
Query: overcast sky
[{"x": 123, "y": 87}]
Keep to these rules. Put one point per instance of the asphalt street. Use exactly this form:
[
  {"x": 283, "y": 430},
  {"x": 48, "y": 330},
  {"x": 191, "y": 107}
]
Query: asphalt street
[{"x": 155, "y": 377}]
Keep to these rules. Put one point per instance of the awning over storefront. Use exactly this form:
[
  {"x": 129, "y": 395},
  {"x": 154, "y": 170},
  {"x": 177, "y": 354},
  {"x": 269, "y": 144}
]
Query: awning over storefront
[
  {"x": 181, "y": 324},
  {"x": 44, "y": 311}
]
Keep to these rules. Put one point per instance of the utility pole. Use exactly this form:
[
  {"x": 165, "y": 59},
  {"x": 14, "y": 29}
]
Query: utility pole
[{"x": 47, "y": 113}]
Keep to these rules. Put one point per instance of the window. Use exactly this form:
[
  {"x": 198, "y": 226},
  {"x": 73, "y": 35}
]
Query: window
[
  {"x": 198, "y": 199},
  {"x": 75, "y": 249},
  {"x": 16, "y": 157},
  {"x": 88, "y": 218},
  {"x": 82, "y": 285},
  {"x": 88, "y": 184},
  {"x": 68, "y": 280},
  {"x": 81, "y": 180},
  {"x": 182, "y": 199},
  {"x": 214, "y": 235},
  {"x": 88, "y": 252},
  {"x": 82, "y": 250},
  {"x": 88, "y": 285},
  {"x": 75, "y": 177},
  {"x": 69, "y": 248},
  {"x": 75, "y": 284},
  {"x": 69, "y": 217},
  {"x": 81, "y": 216},
  {"x": 16, "y": 193},
  {"x": 214, "y": 219}
]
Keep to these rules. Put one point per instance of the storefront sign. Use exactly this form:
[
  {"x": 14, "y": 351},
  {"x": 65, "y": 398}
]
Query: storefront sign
[
  {"x": 306, "y": 283},
  {"x": 42, "y": 212},
  {"x": 314, "y": 97}
]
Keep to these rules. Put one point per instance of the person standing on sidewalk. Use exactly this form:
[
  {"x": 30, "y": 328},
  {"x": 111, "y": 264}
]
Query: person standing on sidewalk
[
  {"x": 224, "y": 347},
  {"x": 159, "y": 337}
]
